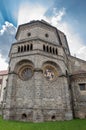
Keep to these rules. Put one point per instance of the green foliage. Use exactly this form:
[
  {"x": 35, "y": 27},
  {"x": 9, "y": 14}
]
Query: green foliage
[{"x": 59, "y": 125}]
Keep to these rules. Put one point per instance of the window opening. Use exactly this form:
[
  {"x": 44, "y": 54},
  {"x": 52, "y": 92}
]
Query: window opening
[
  {"x": 46, "y": 35},
  {"x": 21, "y": 48},
  {"x": 27, "y": 47},
  {"x": 50, "y": 50},
  {"x": 24, "y": 47},
  {"x": 31, "y": 47},
  {"x": 82, "y": 86},
  {"x": 53, "y": 51},
  {"x": 47, "y": 49},
  {"x": 24, "y": 116},
  {"x": 43, "y": 47},
  {"x": 56, "y": 51},
  {"x": 18, "y": 48}
]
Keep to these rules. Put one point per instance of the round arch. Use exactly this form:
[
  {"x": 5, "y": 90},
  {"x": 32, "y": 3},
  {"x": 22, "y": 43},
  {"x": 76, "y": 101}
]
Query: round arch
[
  {"x": 22, "y": 63},
  {"x": 24, "y": 69},
  {"x": 51, "y": 70}
]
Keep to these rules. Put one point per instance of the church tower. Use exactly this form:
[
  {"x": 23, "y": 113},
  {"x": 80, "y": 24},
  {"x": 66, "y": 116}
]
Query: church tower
[{"x": 38, "y": 83}]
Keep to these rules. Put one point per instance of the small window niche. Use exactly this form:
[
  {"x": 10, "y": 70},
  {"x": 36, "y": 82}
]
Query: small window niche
[
  {"x": 82, "y": 86},
  {"x": 24, "y": 116},
  {"x": 53, "y": 117}
]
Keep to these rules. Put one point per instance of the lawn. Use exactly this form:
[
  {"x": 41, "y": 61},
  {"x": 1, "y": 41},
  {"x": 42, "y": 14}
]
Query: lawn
[{"x": 59, "y": 125}]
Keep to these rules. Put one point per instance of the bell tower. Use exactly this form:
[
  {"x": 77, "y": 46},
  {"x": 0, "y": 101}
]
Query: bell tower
[{"x": 38, "y": 87}]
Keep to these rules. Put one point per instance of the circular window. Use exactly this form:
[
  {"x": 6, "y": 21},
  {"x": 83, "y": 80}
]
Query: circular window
[
  {"x": 29, "y": 34},
  {"x": 46, "y": 35},
  {"x": 26, "y": 73},
  {"x": 50, "y": 72}
]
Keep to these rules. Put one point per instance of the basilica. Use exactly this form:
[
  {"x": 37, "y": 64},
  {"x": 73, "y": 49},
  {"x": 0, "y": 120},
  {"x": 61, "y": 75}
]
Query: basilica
[{"x": 44, "y": 83}]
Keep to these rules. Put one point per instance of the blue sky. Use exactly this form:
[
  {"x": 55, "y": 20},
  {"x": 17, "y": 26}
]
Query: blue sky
[{"x": 67, "y": 15}]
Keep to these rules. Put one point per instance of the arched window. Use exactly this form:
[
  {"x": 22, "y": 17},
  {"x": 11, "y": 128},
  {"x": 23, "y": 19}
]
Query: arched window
[
  {"x": 47, "y": 49},
  {"x": 21, "y": 48},
  {"x": 56, "y": 51},
  {"x": 31, "y": 47},
  {"x": 27, "y": 47},
  {"x": 53, "y": 51},
  {"x": 50, "y": 49},
  {"x": 18, "y": 48},
  {"x": 24, "y": 47},
  {"x": 43, "y": 47}
]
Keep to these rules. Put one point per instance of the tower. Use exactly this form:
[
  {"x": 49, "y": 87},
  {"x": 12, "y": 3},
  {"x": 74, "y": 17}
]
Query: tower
[{"x": 38, "y": 84}]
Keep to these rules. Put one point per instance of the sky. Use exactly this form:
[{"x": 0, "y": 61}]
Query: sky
[{"x": 69, "y": 16}]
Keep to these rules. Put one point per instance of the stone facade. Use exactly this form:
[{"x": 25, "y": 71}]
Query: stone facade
[
  {"x": 3, "y": 80},
  {"x": 45, "y": 83}
]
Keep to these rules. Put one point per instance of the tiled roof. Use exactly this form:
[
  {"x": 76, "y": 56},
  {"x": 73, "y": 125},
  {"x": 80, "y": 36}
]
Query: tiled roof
[{"x": 4, "y": 72}]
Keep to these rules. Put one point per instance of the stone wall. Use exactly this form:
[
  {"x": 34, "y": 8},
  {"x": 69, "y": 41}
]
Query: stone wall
[{"x": 76, "y": 65}]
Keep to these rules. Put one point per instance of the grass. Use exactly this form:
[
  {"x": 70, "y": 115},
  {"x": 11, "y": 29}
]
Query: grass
[{"x": 59, "y": 125}]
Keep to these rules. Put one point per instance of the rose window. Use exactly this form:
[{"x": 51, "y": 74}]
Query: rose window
[
  {"x": 50, "y": 72},
  {"x": 26, "y": 73}
]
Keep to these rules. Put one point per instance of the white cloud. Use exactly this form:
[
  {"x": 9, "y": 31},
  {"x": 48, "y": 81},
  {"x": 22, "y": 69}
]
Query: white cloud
[
  {"x": 3, "y": 64},
  {"x": 7, "y": 37},
  {"x": 58, "y": 15},
  {"x": 81, "y": 53},
  {"x": 7, "y": 26},
  {"x": 75, "y": 42},
  {"x": 28, "y": 12}
]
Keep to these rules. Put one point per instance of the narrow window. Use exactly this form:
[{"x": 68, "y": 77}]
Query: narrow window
[
  {"x": 43, "y": 47},
  {"x": 50, "y": 50},
  {"x": 53, "y": 51},
  {"x": 56, "y": 52},
  {"x": 47, "y": 49},
  {"x": 0, "y": 81},
  {"x": 31, "y": 47},
  {"x": 21, "y": 48},
  {"x": 24, "y": 47},
  {"x": 66, "y": 73},
  {"x": 18, "y": 48},
  {"x": 27, "y": 47}
]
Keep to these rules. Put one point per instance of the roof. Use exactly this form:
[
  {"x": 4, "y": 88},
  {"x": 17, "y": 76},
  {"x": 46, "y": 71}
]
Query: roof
[
  {"x": 4, "y": 72},
  {"x": 79, "y": 73},
  {"x": 37, "y": 21}
]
